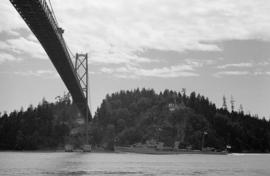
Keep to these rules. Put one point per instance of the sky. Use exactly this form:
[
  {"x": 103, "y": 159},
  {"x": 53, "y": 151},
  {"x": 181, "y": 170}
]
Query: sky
[{"x": 214, "y": 47}]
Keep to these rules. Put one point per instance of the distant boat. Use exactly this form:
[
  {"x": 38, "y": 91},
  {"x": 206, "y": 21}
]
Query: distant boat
[
  {"x": 68, "y": 148},
  {"x": 84, "y": 148},
  {"x": 148, "y": 150},
  {"x": 87, "y": 148}
]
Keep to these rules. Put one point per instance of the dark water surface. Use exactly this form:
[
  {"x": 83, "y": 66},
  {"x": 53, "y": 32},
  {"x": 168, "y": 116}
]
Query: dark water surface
[{"x": 110, "y": 164}]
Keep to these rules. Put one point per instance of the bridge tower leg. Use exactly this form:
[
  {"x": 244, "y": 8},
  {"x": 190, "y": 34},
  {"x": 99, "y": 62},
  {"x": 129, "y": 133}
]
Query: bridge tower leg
[{"x": 81, "y": 67}]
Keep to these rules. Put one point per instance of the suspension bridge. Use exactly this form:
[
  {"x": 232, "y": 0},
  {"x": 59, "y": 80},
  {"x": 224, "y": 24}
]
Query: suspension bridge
[{"x": 40, "y": 18}]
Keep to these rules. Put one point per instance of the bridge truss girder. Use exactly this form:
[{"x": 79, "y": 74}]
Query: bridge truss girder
[{"x": 38, "y": 16}]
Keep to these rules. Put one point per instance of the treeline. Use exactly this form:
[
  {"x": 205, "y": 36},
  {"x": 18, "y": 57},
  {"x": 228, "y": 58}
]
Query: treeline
[
  {"x": 137, "y": 116},
  {"x": 129, "y": 117},
  {"x": 41, "y": 127}
]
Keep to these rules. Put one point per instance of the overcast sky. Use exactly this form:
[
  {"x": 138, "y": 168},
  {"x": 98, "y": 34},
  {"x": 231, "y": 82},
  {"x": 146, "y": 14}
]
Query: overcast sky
[{"x": 213, "y": 47}]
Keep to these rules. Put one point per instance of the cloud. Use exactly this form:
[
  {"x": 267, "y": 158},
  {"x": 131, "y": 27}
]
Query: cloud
[
  {"x": 113, "y": 31},
  {"x": 183, "y": 70},
  {"x": 106, "y": 70},
  {"x": 118, "y": 58},
  {"x": 168, "y": 72},
  {"x": 265, "y": 63},
  {"x": 46, "y": 74},
  {"x": 262, "y": 73},
  {"x": 22, "y": 45},
  {"x": 9, "y": 18},
  {"x": 231, "y": 73},
  {"x": 201, "y": 62},
  {"x": 127, "y": 26},
  {"x": 4, "y": 57},
  {"x": 239, "y": 65}
]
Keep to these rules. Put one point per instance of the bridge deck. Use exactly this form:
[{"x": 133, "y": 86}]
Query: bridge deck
[{"x": 38, "y": 17}]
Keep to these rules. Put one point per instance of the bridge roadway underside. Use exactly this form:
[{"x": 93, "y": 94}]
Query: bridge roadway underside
[{"x": 37, "y": 16}]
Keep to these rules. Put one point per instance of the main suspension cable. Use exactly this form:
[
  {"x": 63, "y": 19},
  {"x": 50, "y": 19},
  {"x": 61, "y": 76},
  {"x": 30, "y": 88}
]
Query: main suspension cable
[{"x": 53, "y": 14}]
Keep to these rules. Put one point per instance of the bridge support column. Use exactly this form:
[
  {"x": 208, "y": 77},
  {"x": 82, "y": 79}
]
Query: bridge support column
[{"x": 81, "y": 67}]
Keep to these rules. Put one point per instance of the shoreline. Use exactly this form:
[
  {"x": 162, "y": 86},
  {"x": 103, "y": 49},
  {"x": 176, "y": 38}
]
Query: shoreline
[{"x": 121, "y": 152}]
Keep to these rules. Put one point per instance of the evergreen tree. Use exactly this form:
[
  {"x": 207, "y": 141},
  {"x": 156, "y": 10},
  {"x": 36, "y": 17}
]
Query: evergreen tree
[
  {"x": 129, "y": 117},
  {"x": 224, "y": 104}
]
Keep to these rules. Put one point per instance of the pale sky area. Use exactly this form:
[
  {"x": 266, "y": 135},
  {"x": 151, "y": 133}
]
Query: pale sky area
[{"x": 213, "y": 47}]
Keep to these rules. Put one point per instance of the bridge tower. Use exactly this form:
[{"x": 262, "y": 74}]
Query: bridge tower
[
  {"x": 81, "y": 68},
  {"x": 40, "y": 18}
]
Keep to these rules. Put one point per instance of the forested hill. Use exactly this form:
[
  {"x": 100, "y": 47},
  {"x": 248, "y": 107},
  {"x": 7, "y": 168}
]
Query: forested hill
[
  {"x": 43, "y": 127},
  {"x": 137, "y": 116},
  {"x": 129, "y": 117}
]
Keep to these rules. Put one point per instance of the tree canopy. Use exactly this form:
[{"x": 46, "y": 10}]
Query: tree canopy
[
  {"x": 140, "y": 115},
  {"x": 137, "y": 116}
]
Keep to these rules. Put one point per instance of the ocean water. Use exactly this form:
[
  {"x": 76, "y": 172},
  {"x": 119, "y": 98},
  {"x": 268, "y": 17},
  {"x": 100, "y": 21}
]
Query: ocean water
[{"x": 114, "y": 164}]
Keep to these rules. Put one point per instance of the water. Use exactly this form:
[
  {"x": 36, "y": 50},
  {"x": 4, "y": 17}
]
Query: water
[{"x": 113, "y": 164}]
